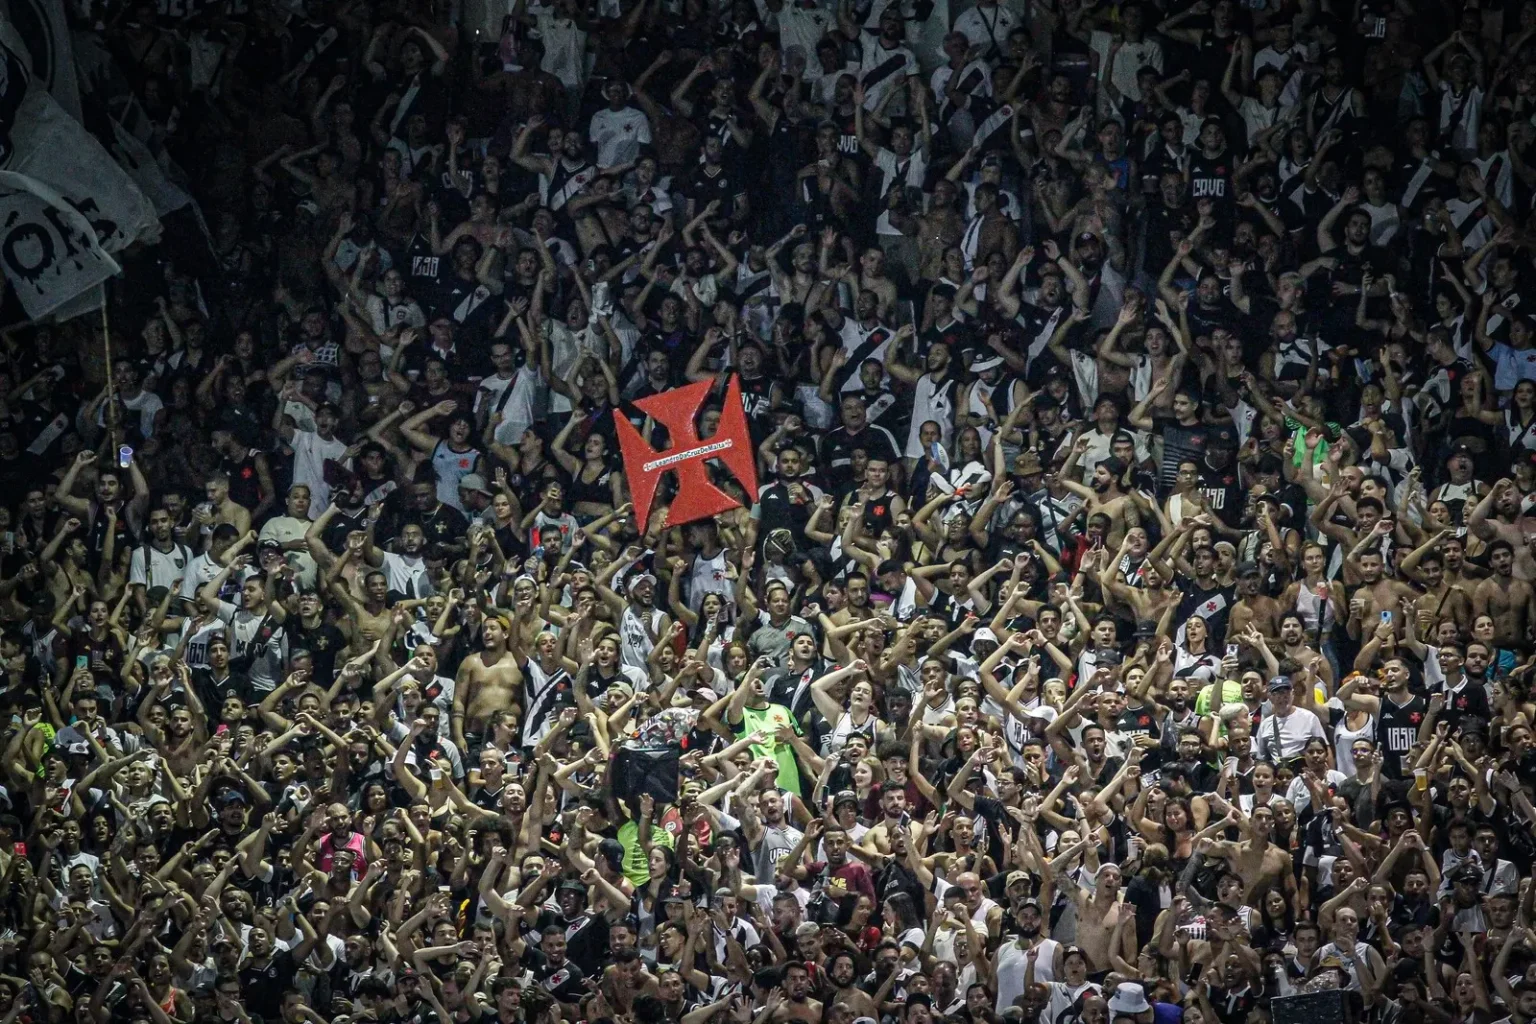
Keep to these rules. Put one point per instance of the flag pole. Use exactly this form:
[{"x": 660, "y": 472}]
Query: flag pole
[{"x": 113, "y": 435}]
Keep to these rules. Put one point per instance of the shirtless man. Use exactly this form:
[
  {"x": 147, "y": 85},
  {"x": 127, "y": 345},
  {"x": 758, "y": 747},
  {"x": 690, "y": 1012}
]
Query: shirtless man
[
  {"x": 1105, "y": 495},
  {"x": 1097, "y": 914},
  {"x": 369, "y": 618},
  {"x": 1293, "y": 640},
  {"x": 1442, "y": 597},
  {"x": 843, "y": 977},
  {"x": 1510, "y": 602},
  {"x": 221, "y": 508},
  {"x": 893, "y": 819},
  {"x": 1376, "y": 592},
  {"x": 1253, "y": 607},
  {"x": 488, "y": 681},
  {"x": 1258, "y": 862},
  {"x": 1498, "y": 516},
  {"x": 797, "y": 1003},
  {"x": 797, "y": 284}
]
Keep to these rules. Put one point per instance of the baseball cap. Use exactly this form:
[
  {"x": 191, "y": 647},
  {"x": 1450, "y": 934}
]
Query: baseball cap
[
  {"x": 474, "y": 482},
  {"x": 1280, "y": 684},
  {"x": 1221, "y": 437},
  {"x": 1017, "y": 876}
]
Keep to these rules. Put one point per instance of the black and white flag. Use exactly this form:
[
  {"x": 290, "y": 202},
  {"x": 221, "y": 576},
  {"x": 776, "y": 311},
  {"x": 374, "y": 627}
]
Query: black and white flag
[{"x": 50, "y": 252}]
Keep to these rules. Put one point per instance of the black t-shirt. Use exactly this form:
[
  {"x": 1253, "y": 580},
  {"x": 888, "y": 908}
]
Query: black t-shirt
[
  {"x": 564, "y": 983},
  {"x": 443, "y": 525},
  {"x": 213, "y": 692},
  {"x": 1213, "y": 605},
  {"x": 1210, "y": 177},
  {"x": 705, "y": 186},
  {"x": 324, "y": 643},
  {"x": 1223, "y": 492},
  {"x": 262, "y": 988}
]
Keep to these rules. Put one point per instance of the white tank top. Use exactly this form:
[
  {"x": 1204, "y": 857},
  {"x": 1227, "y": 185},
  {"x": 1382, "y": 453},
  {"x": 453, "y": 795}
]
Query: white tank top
[
  {"x": 1308, "y": 605},
  {"x": 637, "y": 640},
  {"x": 975, "y": 407},
  {"x": 707, "y": 577},
  {"x": 1344, "y": 738}
]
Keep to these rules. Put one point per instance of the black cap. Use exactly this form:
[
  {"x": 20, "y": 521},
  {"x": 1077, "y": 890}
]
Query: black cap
[{"x": 1222, "y": 437}]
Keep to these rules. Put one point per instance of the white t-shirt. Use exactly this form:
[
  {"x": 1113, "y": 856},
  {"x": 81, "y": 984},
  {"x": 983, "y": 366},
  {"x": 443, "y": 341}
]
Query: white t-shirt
[
  {"x": 988, "y": 27},
  {"x": 619, "y": 135},
  {"x": 406, "y": 574},
  {"x": 1294, "y": 730},
  {"x": 565, "y": 47},
  {"x": 1130, "y": 59},
  {"x": 310, "y": 451},
  {"x": 147, "y": 404},
  {"x": 516, "y": 399},
  {"x": 150, "y": 567},
  {"x": 877, "y": 56}
]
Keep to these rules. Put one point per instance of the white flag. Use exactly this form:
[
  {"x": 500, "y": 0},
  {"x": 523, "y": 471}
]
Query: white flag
[
  {"x": 49, "y": 251},
  {"x": 53, "y": 148},
  {"x": 135, "y": 158}
]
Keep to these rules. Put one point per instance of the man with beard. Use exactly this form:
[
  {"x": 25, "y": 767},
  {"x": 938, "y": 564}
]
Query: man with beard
[
  {"x": 1028, "y": 945},
  {"x": 1189, "y": 772},
  {"x": 1181, "y": 716},
  {"x": 488, "y": 681},
  {"x": 269, "y": 972},
  {"x": 551, "y": 969},
  {"x": 836, "y": 842},
  {"x": 798, "y": 1005},
  {"x": 788, "y": 502},
  {"x": 881, "y": 839},
  {"x": 770, "y": 836},
  {"x": 1442, "y": 597},
  {"x": 842, "y": 977},
  {"x": 1104, "y": 495}
]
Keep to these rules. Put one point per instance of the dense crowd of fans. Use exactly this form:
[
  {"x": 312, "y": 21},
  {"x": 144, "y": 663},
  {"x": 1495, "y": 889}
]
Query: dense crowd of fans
[{"x": 1134, "y": 620}]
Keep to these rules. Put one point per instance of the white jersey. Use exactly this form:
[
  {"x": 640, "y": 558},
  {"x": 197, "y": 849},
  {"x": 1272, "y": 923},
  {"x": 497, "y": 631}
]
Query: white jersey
[
  {"x": 541, "y": 689},
  {"x": 707, "y": 577},
  {"x": 637, "y": 635},
  {"x": 150, "y": 567},
  {"x": 931, "y": 400}
]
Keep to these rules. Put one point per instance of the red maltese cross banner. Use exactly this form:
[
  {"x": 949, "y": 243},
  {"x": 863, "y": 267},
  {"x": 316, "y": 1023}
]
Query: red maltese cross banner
[{"x": 678, "y": 410}]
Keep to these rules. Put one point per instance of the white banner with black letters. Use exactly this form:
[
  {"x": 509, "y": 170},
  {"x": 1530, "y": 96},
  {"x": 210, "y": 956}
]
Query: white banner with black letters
[
  {"x": 49, "y": 251},
  {"x": 54, "y": 148}
]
